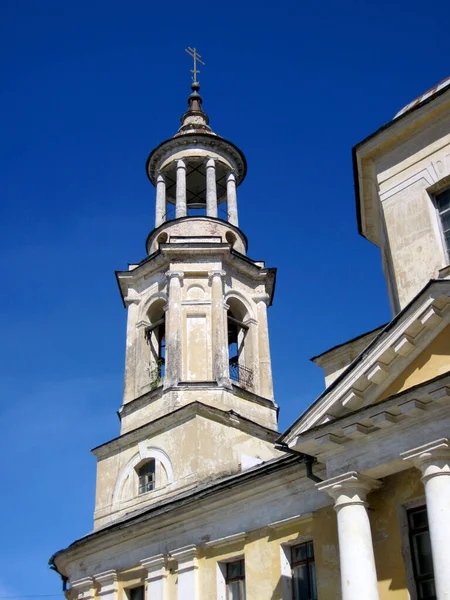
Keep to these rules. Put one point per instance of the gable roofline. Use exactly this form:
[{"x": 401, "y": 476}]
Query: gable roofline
[
  {"x": 314, "y": 359},
  {"x": 344, "y": 375}
]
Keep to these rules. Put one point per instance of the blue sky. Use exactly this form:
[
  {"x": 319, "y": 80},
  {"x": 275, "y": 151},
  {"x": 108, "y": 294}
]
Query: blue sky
[{"x": 88, "y": 89}]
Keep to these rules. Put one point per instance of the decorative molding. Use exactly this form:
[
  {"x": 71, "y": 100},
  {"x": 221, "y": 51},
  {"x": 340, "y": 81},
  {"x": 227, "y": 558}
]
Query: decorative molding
[{"x": 226, "y": 541}]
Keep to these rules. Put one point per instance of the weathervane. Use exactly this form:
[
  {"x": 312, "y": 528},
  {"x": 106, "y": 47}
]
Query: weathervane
[{"x": 197, "y": 58}]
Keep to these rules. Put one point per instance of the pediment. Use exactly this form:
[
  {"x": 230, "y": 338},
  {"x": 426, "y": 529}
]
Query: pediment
[{"x": 408, "y": 351}]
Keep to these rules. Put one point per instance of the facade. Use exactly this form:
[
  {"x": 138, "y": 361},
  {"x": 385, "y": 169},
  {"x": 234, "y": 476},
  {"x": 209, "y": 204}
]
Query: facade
[{"x": 200, "y": 497}]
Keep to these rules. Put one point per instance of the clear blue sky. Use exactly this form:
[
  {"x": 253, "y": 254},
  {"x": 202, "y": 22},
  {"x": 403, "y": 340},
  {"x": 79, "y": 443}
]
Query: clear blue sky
[{"x": 87, "y": 90}]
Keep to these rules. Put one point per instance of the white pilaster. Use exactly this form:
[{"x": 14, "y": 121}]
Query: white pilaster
[
  {"x": 156, "y": 567},
  {"x": 265, "y": 364},
  {"x": 187, "y": 572},
  {"x": 160, "y": 200},
  {"x": 433, "y": 460},
  {"x": 220, "y": 347},
  {"x": 83, "y": 588},
  {"x": 232, "y": 200},
  {"x": 173, "y": 330},
  {"x": 181, "y": 206},
  {"x": 357, "y": 561},
  {"x": 211, "y": 188},
  {"x": 108, "y": 585}
]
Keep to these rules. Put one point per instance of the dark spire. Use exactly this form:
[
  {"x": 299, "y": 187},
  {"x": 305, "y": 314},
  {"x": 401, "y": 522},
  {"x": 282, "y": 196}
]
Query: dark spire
[{"x": 195, "y": 120}]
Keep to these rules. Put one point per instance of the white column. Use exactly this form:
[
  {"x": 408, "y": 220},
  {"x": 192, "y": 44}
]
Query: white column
[
  {"x": 265, "y": 364},
  {"x": 83, "y": 588},
  {"x": 433, "y": 460},
  {"x": 187, "y": 572},
  {"x": 211, "y": 188},
  {"x": 221, "y": 370},
  {"x": 357, "y": 561},
  {"x": 181, "y": 207},
  {"x": 156, "y": 577},
  {"x": 232, "y": 200},
  {"x": 108, "y": 585},
  {"x": 173, "y": 330},
  {"x": 160, "y": 214}
]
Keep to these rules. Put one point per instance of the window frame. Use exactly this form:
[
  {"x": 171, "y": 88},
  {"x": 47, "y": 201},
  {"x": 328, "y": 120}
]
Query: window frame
[
  {"x": 128, "y": 591},
  {"x": 240, "y": 578},
  {"x": 139, "y": 468},
  {"x": 435, "y": 196},
  {"x": 411, "y": 532},
  {"x": 307, "y": 562}
]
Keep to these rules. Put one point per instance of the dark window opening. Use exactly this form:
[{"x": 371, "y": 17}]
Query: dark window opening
[
  {"x": 156, "y": 338},
  {"x": 235, "y": 580},
  {"x": 136, "y": 593},
  {"x": 422, "y": 560},
  {"x": 146, "y": 475},
  {"x": 237, "y": 332},
  {"x": 443, "y": 206},
  {"x": 303, "y": 572}
]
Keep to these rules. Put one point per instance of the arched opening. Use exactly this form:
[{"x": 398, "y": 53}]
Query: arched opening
[
  {"x": 162, "y": 238},
  {"x": 156, "y": 338},
  {"x": 146, "y": 476},
  {"x": 239, "y": 346},
  {"x": 231, "y": 238}
]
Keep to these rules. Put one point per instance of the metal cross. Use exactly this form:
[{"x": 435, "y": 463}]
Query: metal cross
[{"x": 197, "y": 58}]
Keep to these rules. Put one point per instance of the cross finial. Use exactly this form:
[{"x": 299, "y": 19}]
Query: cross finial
[{"x": 197, "y": 58}]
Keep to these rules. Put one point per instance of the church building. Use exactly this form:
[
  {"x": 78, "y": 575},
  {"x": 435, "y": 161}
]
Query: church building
[{"x": 200, "y": 497}]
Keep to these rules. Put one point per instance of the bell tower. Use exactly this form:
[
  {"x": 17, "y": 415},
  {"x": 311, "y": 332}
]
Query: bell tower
[{"x": 198, "y": 398}]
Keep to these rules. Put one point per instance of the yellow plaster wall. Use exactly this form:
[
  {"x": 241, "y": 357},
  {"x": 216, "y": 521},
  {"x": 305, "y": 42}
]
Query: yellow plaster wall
[
  {"x": 385, "y": 507},
  {"x": 433, "y": 361},
  {"x": 262, "y": 554}
]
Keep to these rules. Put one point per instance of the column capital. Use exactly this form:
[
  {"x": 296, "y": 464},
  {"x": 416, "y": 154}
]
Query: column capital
[
  {"x": 261, "y": 298},
  {"x": 156, "y": 566},
  {"x": 177, "y": 274},
  {"x": 187, "y": 557},
  {"x": 84, "y": 588},
  {"x": 107, "y": 581},
  {"x": 160, "y": 177},
  {"x": 210, "y": 162},
  {"x": 216, "y": 273},
  {"x": 349, "y": 488},
  {"x": 181, "y": 164},
  {"x": 433, "y": 459}
]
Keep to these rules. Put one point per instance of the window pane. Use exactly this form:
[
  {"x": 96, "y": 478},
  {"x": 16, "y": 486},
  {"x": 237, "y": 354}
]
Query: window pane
[
  {"x": 312, "y": 581},
  {"x": 427, "y": 591},
  {"x": 234, "y": 591},
  {"x": 235, "y": 569},
  {"x": 310, "y": 550},
  {"x": 136, "y": 593},
  {"x": 443, "y": 200},
  {"x": 299, "y": 553},
  {"x": 300, "y": 582},
  {"x": 422, "y": 553},
  {"x": 418, "y": 519}
]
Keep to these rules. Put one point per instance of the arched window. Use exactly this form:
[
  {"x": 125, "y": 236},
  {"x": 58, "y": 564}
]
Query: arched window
[
  {"x": 156, "y": 339},
  {"x": 147, "y": 477},
  {"x": 239, "y": 351}
]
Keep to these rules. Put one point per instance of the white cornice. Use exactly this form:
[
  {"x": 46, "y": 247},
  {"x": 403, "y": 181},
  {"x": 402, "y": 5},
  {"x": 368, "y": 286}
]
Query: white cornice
[{"x": 370, "y": 374}]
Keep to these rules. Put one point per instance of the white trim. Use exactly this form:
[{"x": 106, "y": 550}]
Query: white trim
[{"x": 127, "y": 471}]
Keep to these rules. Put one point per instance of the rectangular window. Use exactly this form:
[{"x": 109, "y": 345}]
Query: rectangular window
[
  {"x": 146, "y": 475},
  {"x": 235, "y": 580},
  {"x": 443, "y": 206},
  {"x": 136, "y": 593},
  {"x": 422, "y": 561},
  {"x": 303, "y": 572}
]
